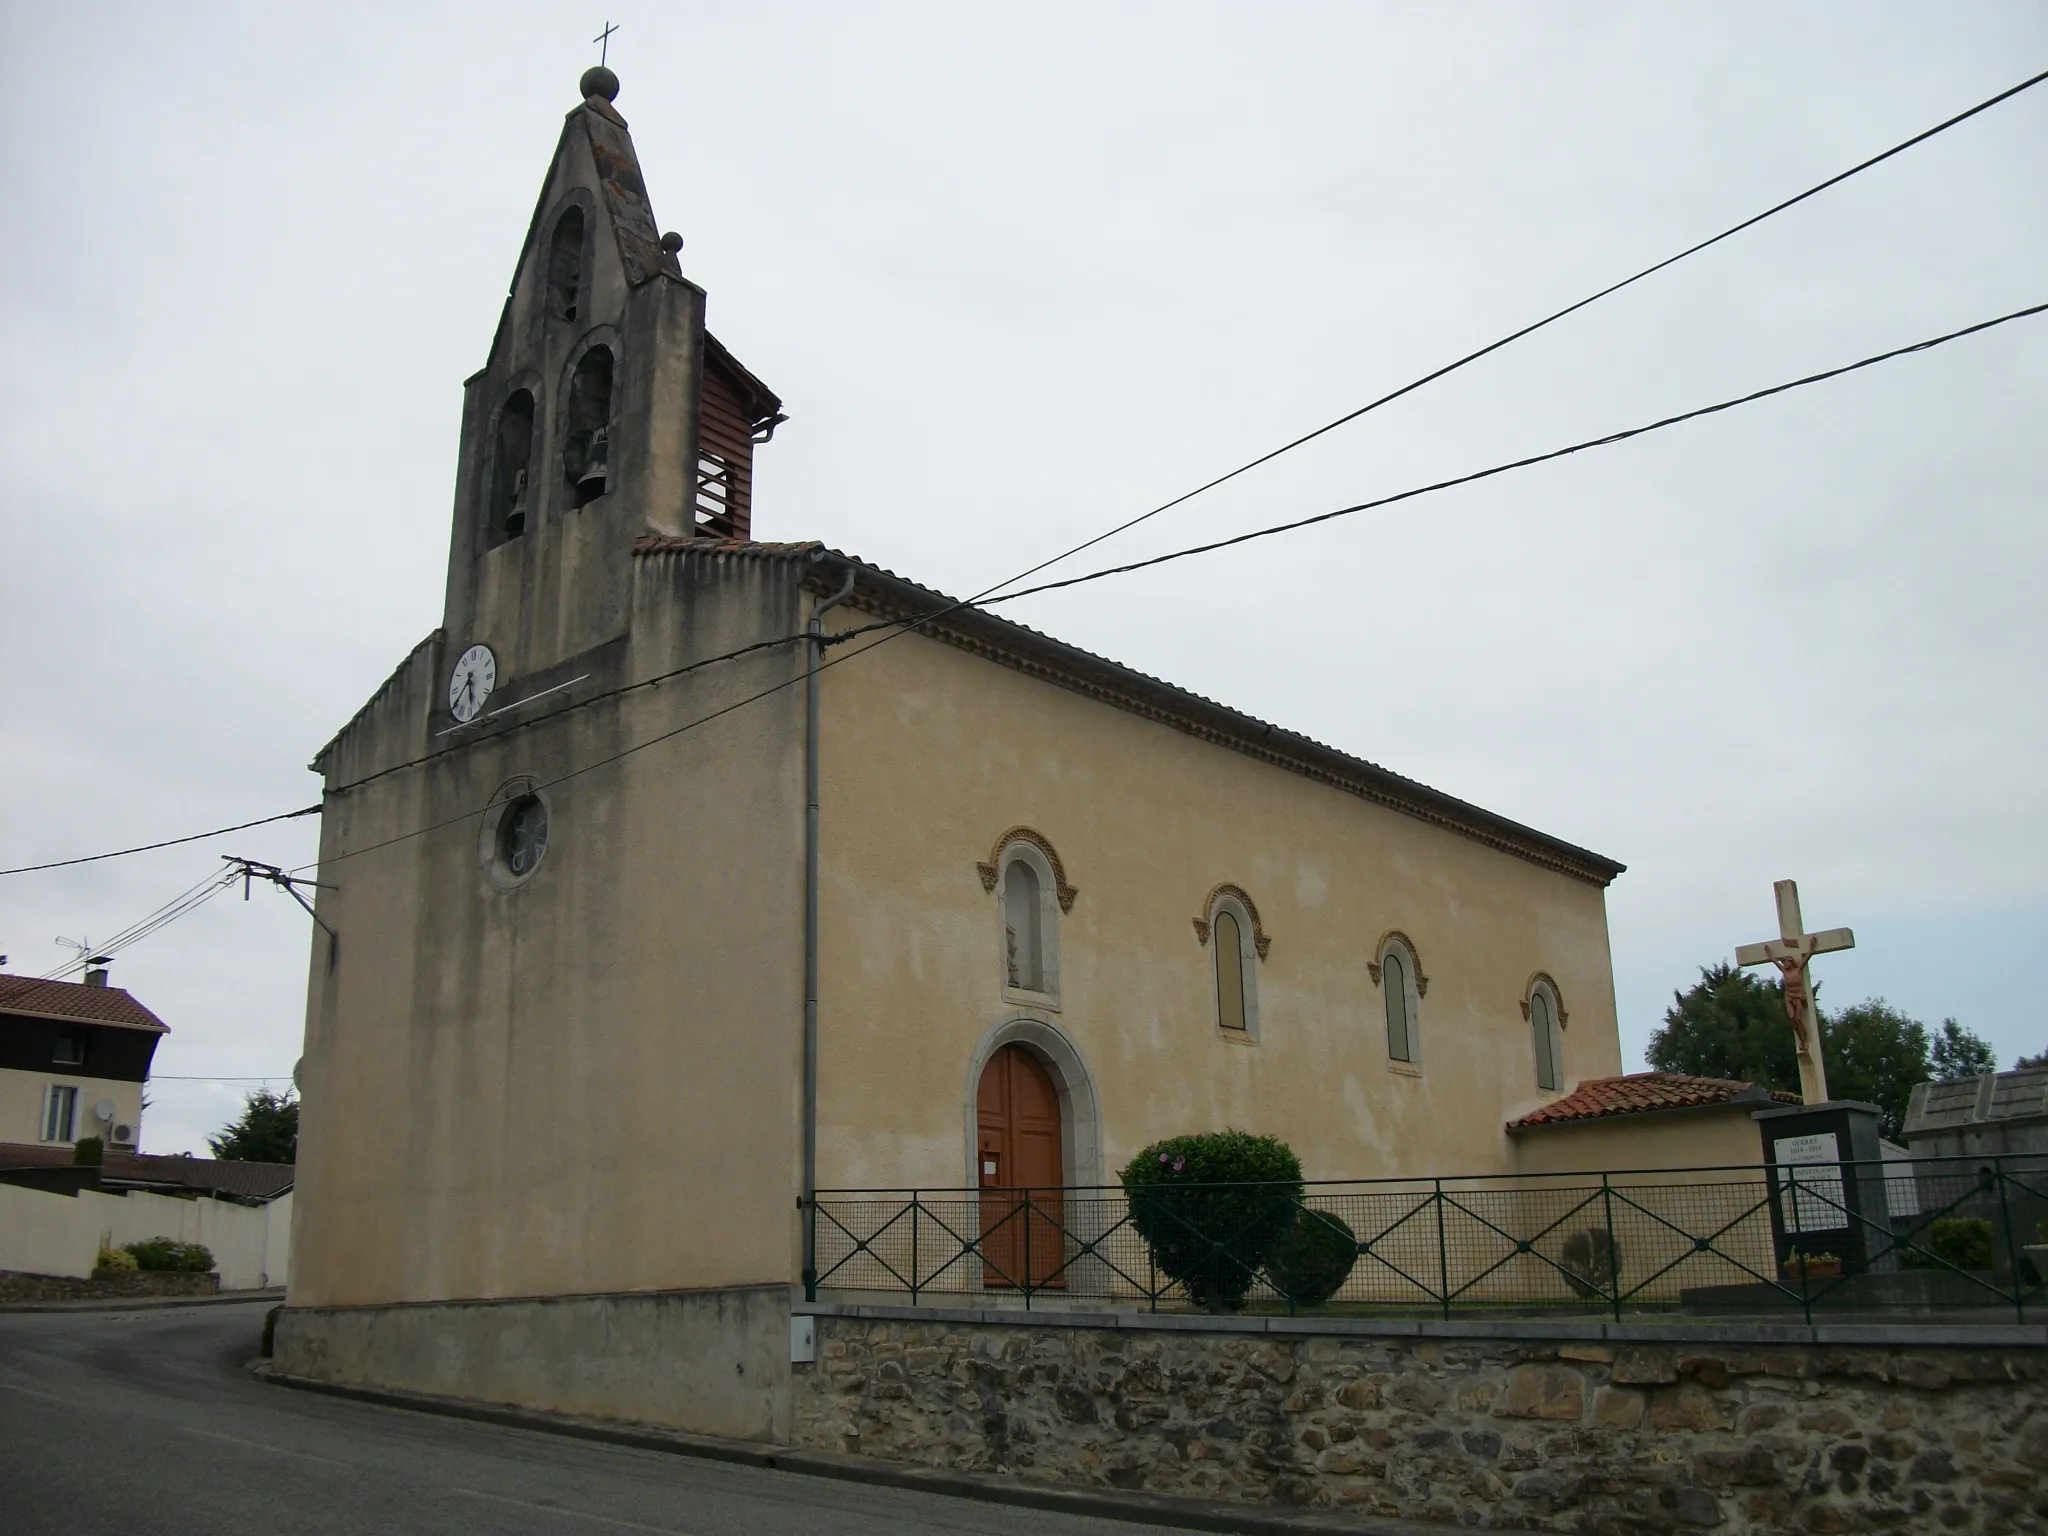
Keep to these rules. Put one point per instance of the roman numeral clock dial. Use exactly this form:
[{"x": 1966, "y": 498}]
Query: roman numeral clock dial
[{"x": 475, "y": 675}]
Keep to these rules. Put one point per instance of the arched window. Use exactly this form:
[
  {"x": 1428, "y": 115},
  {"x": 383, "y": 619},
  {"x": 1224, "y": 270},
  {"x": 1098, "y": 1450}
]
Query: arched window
[
  {"x": 586, "y": 432},
  {"x": 565, "y": 265},
  {"x": 1547, "y": 1032},
  {"x": 511, "y": 490},
  {"x": 1031, "y": 891},
  {"x": 1402, "y": 985},
  {"x": 1229, "y": 925},
  {"x": 1227, "y": 939},
  {"x": 1023, "y": 926}
]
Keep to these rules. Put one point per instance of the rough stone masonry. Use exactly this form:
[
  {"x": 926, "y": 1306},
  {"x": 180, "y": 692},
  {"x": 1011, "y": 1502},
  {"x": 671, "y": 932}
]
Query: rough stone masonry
[{"x": 1493, "y": 1434}]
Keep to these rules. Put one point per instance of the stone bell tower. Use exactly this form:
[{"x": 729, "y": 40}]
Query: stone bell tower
[{"x": 605, "y": 412}]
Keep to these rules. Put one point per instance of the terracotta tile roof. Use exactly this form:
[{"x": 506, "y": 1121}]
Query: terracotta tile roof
[
  {"x": 668, "y": 544},
  {"x": 251, "y": 1181},
  {"x": 1644, "y": 1093},
  {"x": 75, "y": 1000}
]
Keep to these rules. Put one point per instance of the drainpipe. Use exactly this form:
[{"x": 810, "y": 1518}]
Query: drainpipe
[{"x": 814, "y": 647}]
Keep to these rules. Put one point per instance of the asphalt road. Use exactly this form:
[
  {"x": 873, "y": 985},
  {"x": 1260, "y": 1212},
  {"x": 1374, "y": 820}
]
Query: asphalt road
[{"x": 117, "y": 1423}]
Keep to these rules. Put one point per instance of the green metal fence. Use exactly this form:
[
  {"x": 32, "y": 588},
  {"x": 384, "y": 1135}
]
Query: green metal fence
[{"x": 1926, "y": 1235}]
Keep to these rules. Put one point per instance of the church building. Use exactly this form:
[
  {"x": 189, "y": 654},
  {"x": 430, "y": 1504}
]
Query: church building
[{"x": 657, "y": 903}]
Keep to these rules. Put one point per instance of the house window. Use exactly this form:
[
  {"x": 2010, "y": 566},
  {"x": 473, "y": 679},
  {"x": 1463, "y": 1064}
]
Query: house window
[
  {"x": 1394, "y": 984},
  {"x": 1548, "y": 1039},
  {"x": 70, "y": 1049},
  {"x": 60, "y": 1112}
]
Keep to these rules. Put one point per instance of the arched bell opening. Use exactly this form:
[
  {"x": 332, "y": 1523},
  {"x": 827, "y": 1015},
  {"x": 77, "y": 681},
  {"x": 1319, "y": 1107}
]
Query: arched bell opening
[
  {"x": 511, "y": 469},
  {"x": 586, "y": 436},
  {"x": 565, "y": 266}
]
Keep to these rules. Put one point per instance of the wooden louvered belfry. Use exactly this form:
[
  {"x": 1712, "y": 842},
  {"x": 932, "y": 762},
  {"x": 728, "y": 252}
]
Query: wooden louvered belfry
[{"x": 735, "y": 412}]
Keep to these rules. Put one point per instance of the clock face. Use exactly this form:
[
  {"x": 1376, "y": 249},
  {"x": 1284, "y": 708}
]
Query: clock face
[{"x": 475, "y": 675}]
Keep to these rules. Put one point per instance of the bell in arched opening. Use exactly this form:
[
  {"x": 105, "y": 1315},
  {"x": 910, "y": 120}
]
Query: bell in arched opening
[{"x": 595, "y": 478}]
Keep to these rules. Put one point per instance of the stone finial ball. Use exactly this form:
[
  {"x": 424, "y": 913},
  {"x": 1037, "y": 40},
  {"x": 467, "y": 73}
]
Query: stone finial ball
[
  {"x": 671, "y": 242},
  {"x": 599, "y": 81}
]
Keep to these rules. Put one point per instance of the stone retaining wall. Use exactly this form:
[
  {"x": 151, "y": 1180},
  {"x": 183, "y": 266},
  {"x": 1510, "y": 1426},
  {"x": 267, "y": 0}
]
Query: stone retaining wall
[
  {"x": 1497, "y": 1434},
  {"x": 109, "y": 1285}
]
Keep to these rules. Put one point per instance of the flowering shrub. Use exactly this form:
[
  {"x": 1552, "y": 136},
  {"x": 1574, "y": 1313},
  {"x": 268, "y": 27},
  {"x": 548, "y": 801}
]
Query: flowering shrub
[
  {"x": 1214, "y": 1208},
  {"x": 113, "y": 1258}
]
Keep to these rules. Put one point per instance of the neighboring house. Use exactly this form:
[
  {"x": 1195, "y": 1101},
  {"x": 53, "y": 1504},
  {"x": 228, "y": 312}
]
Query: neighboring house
[
  {"x": 74, "y": 1057},
  {"x": 179, "y": 1174},
  {"x": 558, "y": 1037}
]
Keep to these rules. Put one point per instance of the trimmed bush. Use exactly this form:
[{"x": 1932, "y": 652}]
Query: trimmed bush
[
  {"x": 113, "y": 1258},
  {"x": 162, "y": 1253},
  {"x": 89, "y": 1152},
  {"x": 1313, "y": 1261},
  {"x": 1214, "y": 1208},
  {"x": 1964, "y": 1241},
  {"x": 1590, "y": 1261}
]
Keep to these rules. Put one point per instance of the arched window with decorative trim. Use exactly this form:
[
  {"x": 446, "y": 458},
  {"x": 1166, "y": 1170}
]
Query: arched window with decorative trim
[
  {"x": 1398, "y": 974},
  {"x": 1230, "y": 927},
  {"x": 1546, "y": 1016},
  {"x": 1031, "y": 891}
]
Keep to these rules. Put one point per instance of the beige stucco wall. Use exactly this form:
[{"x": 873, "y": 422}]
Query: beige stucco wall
[
  {"x": 587, "y": 1083},
  {"x": 21, "y": 1105},
  {"x": 53, "y": 1234},
  {"x": 930, "y": 753},
  {"x": 1717, "y": 1137}
]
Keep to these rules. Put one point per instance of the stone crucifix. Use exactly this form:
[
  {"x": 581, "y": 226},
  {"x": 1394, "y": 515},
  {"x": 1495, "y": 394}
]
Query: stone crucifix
[{"x": 1789, "y": 952}]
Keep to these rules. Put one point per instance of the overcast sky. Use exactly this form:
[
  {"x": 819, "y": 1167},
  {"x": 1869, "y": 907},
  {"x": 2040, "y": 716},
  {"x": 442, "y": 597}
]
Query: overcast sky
[{"x": 1020, "y": 273}]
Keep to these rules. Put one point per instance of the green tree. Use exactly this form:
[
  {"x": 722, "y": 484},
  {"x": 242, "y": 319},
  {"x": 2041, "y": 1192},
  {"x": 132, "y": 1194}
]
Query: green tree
[
  {"x": 2031, "y": 1061},
  {"x": 1875, "y": 1053},
  {"x": 1729, "y": 1023},
  {"x": 267, "y": 1130},
  {"x": 1958, "y": 1052}
]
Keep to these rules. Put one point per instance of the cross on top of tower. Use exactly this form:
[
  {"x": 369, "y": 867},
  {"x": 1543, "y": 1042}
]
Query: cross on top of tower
[{"x": 604, "y": 42}]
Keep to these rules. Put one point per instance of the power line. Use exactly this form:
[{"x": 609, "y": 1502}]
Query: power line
[
  {"x": 169, "y": 842},
  {"x": 1249, "y": 465},
  {"x": 178, "y": 906},
  {"x": 1531, "y": 329},
  {"x": 905, "y": 626},
  {"x": 1501, "y": 469},
  {"x": 188, "y": 1077}
]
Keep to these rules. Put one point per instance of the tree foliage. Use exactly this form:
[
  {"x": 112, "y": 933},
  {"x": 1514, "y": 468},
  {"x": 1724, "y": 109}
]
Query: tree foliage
[
  {"x": 1959, "y": 1053},
  {"x": 267, "y": 1131},
  {"x": 1731, "y": 1023}
]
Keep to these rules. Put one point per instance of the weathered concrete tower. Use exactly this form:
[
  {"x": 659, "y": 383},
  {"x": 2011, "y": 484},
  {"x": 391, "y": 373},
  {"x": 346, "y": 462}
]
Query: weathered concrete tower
[{"x": 604, "y": 413}]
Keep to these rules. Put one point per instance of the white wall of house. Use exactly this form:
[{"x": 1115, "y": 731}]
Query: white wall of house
[
  {"x": 24, "y": 1100},
  {"x": 51, "y": 1234}
]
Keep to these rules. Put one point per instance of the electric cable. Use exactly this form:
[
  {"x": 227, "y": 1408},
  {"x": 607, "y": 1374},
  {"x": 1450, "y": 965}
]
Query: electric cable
[
  {"x": 188, "y": 900},
  {"x": 169, "y": 842},
  {"x": 1266, "y": 458},
  {"x": 1528, "y": 330},
  {"x": 906, "y": 626}
]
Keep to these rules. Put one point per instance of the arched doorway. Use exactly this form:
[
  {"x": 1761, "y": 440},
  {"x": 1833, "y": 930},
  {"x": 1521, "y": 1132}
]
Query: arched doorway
[{"x": 1020, "y": 1163}]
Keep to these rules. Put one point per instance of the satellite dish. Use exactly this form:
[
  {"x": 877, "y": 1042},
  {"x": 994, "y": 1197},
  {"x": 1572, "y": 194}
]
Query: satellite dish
[
  {"x": 104, "y": 1110},
  {"x": 301, "y": 1087}
]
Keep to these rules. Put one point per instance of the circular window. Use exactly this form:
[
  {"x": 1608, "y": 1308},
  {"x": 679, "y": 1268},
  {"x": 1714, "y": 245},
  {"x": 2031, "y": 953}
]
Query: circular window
[
  {"x": 514, "y": 836},
  {"x": 523, "y": 835}
]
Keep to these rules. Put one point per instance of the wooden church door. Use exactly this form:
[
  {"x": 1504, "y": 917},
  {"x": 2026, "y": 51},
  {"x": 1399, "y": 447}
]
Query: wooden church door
[{"x": 1018, "y": 1111}]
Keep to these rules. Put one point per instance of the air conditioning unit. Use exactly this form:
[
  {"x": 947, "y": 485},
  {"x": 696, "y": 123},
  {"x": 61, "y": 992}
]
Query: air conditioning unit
[{"x": 124, "y": 1135}]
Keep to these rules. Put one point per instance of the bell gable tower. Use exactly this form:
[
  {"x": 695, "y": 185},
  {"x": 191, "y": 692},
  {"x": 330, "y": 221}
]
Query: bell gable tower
[{"x": 605, "y": 412}]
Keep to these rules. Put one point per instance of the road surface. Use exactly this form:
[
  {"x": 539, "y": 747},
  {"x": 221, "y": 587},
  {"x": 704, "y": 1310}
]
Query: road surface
[{"x": 119, "y": 1423}]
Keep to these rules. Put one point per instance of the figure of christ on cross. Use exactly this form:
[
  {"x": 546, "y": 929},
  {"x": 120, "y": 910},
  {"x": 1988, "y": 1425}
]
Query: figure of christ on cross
[{"x": 1789, "y": 952}]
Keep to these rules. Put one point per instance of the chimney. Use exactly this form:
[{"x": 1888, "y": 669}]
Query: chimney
[{"x": 97, "y": 976}]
